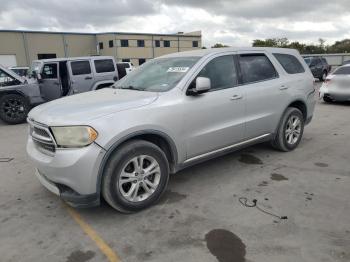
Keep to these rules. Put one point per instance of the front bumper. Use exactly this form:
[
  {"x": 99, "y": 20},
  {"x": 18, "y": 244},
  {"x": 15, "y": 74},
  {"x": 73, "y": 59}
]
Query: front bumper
[
  {"x": 70, "y": 173},
  {"x": 335, "y": 95}
]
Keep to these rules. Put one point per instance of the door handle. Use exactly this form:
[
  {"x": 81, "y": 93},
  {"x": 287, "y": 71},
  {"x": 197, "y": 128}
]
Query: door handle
[
  {"x": 88, "y": 77},
  {"x": 284, "y": 87},
  {"x": 236, "y": 97}
]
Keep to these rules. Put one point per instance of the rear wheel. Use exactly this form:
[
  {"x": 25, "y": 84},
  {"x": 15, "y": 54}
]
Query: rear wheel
[
  {"x": 327, "y": 99},
  {"x": 13, "y": 108},
  {"x": 135, "y": 176},
  {"x": 290, "y": 131}
]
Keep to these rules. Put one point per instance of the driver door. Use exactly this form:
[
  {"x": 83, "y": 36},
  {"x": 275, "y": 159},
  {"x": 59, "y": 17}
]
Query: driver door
[{"x": 50, "y": 85}]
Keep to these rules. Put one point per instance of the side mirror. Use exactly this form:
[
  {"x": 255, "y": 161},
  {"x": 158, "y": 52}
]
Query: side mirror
[{"x": 203, "y": 84}]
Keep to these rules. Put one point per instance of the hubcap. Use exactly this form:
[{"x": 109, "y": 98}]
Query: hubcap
[
  {"x": 139, "y": 178},
  {"x": 293, "y": 130}
]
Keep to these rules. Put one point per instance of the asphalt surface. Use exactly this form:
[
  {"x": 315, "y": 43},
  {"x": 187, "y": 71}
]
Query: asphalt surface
[{"x": 200, "y": 217}]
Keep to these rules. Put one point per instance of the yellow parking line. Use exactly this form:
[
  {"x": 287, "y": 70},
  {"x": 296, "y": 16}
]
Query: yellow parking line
[{"x": 102, "y": 245}]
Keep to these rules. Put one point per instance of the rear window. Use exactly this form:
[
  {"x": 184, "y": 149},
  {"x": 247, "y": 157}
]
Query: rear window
[
  {"x": 290, "y": 63},
  {"x": 342, "y": 71},
  {"x": 104, "y": 65},
  {"x": 256, "y": 67},
  {"x": 81, "y": 67}
]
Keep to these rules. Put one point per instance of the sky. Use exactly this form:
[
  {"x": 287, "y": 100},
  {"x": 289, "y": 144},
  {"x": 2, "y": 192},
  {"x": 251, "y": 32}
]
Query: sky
[{"x": 235, "y": 22}]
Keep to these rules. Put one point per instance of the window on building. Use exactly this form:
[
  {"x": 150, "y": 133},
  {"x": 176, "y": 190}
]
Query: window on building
[
  {"x": 46, "y": 56},
  {"x": 100, "y": 45},
  {"x": 140, "y": 43},
  {"x": 157, "y": 43},
  {"x": 49, "y": 71},
  {"x": 256, "y": 67},
  {"x": 221, "y": 71},
  {"x": 81, "y": 67},
  {"x": 126, "y": 60},
  {"x": 104, "y": 66},
  {"x": 124, "y": 43},
  {"x": 110, "y": 43},
  {"x": 166, "y": 43},
  {"x": 141, "y": 61},
  {"x": 290, "y": 63},
  {"x": 194, "y": 43}
]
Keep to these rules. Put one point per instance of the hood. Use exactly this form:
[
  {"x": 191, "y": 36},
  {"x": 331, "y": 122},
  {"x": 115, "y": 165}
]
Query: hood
[{"x": 78, "y": 109}]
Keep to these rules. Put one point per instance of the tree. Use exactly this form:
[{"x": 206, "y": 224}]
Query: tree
[{"x": 219, "y": 45}]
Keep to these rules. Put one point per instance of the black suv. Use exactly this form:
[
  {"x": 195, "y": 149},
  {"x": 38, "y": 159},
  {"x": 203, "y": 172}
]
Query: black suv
[{"x": 318, "y": 66}]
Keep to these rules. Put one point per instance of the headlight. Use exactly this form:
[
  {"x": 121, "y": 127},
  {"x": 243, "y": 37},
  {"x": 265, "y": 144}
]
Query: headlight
[{"x": 74, "y": 136}]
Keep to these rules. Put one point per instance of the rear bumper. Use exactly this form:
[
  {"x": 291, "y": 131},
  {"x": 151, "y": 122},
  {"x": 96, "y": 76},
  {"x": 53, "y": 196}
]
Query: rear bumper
[{"x": 336, "y": 96}]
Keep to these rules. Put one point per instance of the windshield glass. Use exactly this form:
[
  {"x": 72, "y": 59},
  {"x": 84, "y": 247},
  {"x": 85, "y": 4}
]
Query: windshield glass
[
  {"x": 158, "y": 75},
  {"x": 342, "y": 71},
  {"x": 308, "y": 60},
  {"x": 35, "y": 67}
]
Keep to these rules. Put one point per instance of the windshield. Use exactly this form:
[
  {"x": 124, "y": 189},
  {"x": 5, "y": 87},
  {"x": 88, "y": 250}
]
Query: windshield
[
  {"x": 159, "y": 75},
  {"x": 35, "y": 67},
  {"x": 345, "y": 70},
  {"x": 308, "y": 60}
]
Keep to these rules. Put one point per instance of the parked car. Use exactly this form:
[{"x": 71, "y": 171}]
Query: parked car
[
  {"x": 55, "y": 78},
  {"x": 337, "y": 85},
  {"x": 172, "y": 112},
  {"x": 318, "y": 66},
  {"x": 347, "y": 62},
  {"x": 20, "y": 70},
  {"x": 124, "y": 68},
  {"x": 17, "y": 94}
]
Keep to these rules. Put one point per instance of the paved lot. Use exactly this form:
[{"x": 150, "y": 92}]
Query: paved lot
[{"x": 200, "y": 216}]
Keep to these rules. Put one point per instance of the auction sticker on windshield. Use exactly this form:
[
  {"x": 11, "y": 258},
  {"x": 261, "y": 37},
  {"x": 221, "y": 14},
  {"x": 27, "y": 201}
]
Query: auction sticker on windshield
[{"x": 178, "y": 69}]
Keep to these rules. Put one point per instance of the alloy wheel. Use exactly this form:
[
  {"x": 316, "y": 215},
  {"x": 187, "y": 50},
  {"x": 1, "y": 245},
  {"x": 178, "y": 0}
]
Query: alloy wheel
[
  {"x": 293, "y": 129},
  {"x": 139, "y": 178},
  {"x": 13, "y": 108}
]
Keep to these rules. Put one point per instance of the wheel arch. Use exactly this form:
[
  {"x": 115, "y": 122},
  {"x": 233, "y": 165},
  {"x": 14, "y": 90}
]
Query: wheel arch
[
  {"x": 156, "y": 137},
  {"x": 301, "y": 105},
  {"x": 13, "y": 92}
]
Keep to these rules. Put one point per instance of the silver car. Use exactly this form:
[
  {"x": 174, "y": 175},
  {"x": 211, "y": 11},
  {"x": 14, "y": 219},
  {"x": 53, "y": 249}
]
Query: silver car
[
  {"x": 170, "y": 113},
  {"x": 336, "y": 87}
]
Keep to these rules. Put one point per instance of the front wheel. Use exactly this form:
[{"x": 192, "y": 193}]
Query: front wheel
[
  {"x": 135, "y": 176},
  {"x": 13, "y": 109},
  {"x": 290, "y": 130}
]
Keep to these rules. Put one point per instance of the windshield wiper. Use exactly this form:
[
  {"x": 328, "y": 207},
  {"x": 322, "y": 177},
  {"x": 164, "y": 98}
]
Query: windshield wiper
[{"x": 131, "y": 88}]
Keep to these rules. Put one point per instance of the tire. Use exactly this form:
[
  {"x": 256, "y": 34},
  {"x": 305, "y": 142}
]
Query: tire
[
  {"x": 323, "y": 76},
  {"x": 13, "y": 109},
  {"x": 282, "y": 141},
  {"x": 327, "y": 99},
  {"x": 120, "y": 170}
]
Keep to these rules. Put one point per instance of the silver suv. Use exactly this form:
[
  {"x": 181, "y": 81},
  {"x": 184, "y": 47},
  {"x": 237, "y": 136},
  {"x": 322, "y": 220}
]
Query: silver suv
[{"x": 168, "y": 114}]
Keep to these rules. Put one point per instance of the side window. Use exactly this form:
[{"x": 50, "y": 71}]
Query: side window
[
  {"x": 290, "y": 63},
  {"x": 104, "y": 66},
  {"x": 221, "y": 71},
  {"x": 81, "y": 67},
  {"x": 256, "y": 67},
  {"x": 49, "y": 71},
  {"x": 7, "y": 80}
]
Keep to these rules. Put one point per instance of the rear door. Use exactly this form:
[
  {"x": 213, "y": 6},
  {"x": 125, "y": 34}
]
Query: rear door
[
  {"x": 81, "y": 75},
  {"x": 50, "y": 86},
  {"x": 104, "y": 71},
  {"x": 265, "y": 93}
]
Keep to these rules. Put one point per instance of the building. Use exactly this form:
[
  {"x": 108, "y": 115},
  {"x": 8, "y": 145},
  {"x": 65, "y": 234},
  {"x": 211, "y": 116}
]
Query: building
[{"x": 20, "y": 48}]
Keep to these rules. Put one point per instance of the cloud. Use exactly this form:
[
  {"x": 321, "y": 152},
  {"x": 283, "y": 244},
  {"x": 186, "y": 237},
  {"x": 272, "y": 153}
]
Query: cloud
[{"x": 234, "y": 23}]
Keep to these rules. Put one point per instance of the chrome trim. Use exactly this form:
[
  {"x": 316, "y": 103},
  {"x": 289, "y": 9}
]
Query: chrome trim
[
  {"x": 227, "y": 148},
  {"x": 39, "y": 139}
]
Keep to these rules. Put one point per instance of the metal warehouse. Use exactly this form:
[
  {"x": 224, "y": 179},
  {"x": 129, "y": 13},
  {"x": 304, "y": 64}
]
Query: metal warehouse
[{"x": 19, "y": 48}]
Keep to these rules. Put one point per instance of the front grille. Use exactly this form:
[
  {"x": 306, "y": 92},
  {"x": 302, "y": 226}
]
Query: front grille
[{"x": 42, "y": 138}]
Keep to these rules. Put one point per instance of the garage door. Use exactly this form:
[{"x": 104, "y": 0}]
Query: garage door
[{"x": 8, "y": 60}]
